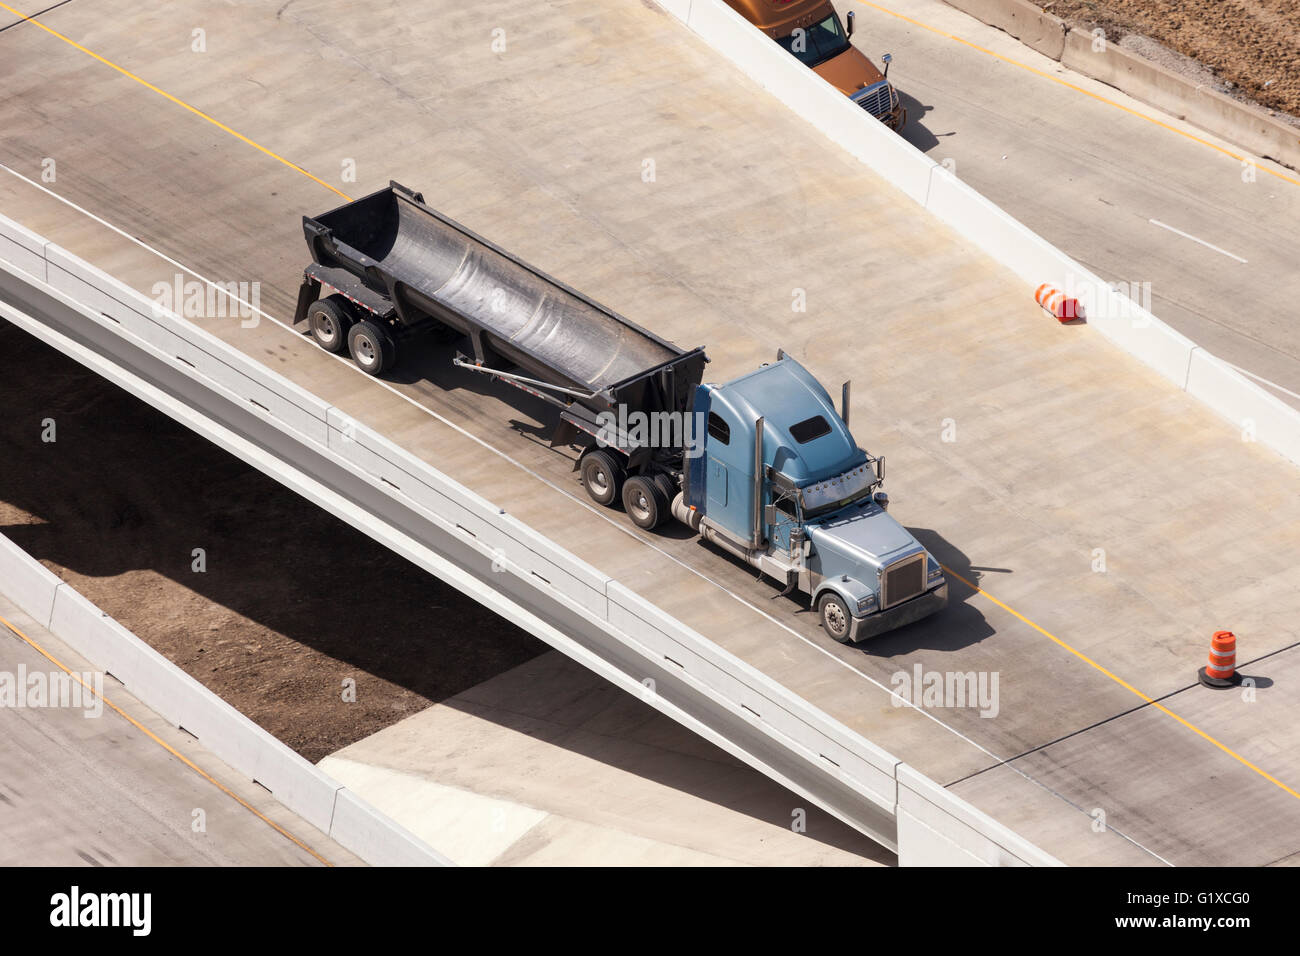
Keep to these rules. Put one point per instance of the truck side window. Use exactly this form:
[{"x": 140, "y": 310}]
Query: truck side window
[
  {"x": 810, "y": 428},
  {"x": 719, "y": 429}
]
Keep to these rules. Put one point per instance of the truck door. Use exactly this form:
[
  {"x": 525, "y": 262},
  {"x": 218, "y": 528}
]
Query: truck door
[{"x": 778, "y": 533}]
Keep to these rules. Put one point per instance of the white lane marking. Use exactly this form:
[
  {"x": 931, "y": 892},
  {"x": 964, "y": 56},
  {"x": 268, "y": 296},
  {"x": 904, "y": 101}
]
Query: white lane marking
[
  {"x": 600, "y": 513},
  {"x": 1261, "y": 379},
  {"x": 1187, "y": 235}
]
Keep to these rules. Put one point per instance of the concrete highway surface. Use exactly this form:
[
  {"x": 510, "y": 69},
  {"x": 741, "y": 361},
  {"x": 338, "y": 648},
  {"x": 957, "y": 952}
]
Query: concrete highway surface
[{"x": 1097, "y": 523}]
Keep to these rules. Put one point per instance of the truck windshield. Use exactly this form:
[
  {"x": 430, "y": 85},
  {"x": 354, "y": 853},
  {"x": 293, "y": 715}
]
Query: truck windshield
[
  {"x": 825, "y": 497},
  {"x": 817, "y": 43}
]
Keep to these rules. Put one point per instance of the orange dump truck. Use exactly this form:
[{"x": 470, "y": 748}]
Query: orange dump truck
[{"x": 811, "y": 30}]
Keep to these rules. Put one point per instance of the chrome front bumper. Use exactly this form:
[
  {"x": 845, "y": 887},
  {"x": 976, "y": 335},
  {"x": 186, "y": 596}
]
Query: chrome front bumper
[{"x": 923, "y": 605}]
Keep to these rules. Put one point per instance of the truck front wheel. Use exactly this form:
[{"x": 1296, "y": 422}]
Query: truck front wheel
[
  {"x": 372, "y": 348},
  {"x": 602, "y": 476},
  {"x": 330, "y": 320},
  {"x": 836, "y": 620},
  {"x": 645, "y": 502}
]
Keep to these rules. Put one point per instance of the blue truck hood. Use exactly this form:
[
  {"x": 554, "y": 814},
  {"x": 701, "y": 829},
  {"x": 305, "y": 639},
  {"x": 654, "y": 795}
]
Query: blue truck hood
[{"x": 864, "y": 536}]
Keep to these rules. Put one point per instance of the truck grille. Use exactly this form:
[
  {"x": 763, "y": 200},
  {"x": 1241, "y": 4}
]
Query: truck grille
[
  {"x": 876, "y": 100},
  {"x": 902, "y": 581}
]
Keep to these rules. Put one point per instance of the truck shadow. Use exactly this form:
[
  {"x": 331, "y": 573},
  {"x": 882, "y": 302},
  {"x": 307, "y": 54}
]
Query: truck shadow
[
  {"x": 915, "y": 131},
  {"x": 959, "y": 625},
  {"x": 428, "y": 367}
]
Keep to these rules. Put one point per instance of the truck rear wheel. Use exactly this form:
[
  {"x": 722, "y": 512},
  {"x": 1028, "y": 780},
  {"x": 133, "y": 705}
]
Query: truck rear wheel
[
  {"x": 667, "y": 485},
  {"x": 330, "y": 320},
  {"x": 602, "y": 476},
  {"x": 372, "y": 348},
  {"x": 836, "y": 620},
  {"x": 645, "y": 502}
]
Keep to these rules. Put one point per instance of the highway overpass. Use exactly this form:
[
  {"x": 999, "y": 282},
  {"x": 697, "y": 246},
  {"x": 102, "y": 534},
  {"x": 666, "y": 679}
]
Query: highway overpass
[{"x": 1018, "y": 448}]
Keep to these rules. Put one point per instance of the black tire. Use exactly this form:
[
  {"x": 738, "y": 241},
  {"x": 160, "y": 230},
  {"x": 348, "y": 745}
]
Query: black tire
[
  {"x": 668, "y": 486},
  {"x": 603, "y": 477},
  {"x": 835, "y": 617},
  {"x": 645, "y": 502},
  {"x": 372, "y": 348},
  {"x": 330, "y": 320}
]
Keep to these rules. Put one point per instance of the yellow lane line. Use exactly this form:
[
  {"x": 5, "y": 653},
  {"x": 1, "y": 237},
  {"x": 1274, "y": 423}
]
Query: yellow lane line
[
  {"x": 1079, "y": 89},
  {"x": 1123, "y": 683},
  {"x": 162, "y": 743},
  {"x": 179, "y": 102}
]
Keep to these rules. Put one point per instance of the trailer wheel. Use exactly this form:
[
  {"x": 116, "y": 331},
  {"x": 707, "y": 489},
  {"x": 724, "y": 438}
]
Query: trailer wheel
[
  {"x": 835, "y": 616},
  {"x": 372, "y": 348},
  {"x": 330, "y": 320},
  {"x": 602, "y": 476},
  {"x": 645, "y": 502}
]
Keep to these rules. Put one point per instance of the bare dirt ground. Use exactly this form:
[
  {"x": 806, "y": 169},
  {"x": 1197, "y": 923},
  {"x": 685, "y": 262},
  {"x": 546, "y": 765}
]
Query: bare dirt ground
[
  {"x": 292, "y": 601},
  {"x": 1253, "y": 45}
]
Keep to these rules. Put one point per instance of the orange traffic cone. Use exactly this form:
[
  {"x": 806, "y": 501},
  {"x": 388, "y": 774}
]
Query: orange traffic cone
[
  {"x": 1222, "y": 669},
  {"x": 1055, "y": 302}
]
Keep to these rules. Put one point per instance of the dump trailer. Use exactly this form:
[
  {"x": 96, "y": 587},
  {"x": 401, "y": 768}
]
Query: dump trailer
[
  {"x": 400, "y": 270},
  {"x": 762, "y": 467}
]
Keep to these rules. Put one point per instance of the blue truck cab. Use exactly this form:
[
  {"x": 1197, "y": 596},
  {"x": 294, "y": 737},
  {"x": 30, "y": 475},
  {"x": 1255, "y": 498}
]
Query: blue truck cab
[{"x": 780, "y": 482}]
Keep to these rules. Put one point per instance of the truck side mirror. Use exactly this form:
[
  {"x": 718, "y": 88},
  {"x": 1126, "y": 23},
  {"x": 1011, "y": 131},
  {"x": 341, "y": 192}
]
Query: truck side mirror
[
  {"x": 887, "y": 59},
  {"x": 848, "y": 24}
]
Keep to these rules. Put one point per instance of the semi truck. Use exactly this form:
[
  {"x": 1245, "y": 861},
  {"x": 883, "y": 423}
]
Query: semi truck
[
  {"x": 762, "y": 467},
  {"x": 812, "y": 31}
]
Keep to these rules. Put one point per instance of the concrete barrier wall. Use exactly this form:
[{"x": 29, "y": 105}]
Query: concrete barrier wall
[
  {"x": 936, "y": 831},
  {"x": 27, "y": 583},
  {"x": 1023, "y": 20},
  {"x": 610, "y": 628},
  {"x": 185, "y": 703},
  {"x": 1006, "y": 240}
]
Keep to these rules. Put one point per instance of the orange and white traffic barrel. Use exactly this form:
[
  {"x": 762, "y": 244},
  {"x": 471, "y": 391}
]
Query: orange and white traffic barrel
[
  {"x": 1221, "y": 671},
  {"x": 1058, "y": 303}
]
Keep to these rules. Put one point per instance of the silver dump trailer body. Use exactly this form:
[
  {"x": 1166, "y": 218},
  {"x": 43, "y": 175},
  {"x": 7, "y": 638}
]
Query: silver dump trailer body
[{"x": 402, "y": 269}]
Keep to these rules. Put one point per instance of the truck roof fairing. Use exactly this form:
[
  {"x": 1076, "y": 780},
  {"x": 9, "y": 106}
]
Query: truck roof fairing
[{"x": 786, "y": 394}]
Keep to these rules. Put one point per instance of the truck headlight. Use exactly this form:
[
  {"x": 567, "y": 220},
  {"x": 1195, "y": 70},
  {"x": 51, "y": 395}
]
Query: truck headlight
[
  {"x": 866, "y": 604},
  {"x": 936, "y": 573}
]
